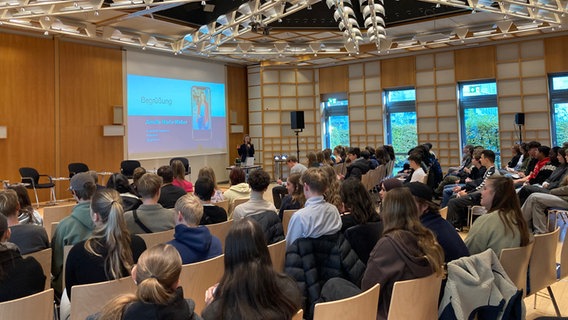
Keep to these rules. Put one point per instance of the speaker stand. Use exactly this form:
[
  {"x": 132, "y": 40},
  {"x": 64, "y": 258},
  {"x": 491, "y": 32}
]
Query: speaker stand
[
  {"x": 297, "y": 132},
  {"x": 520, "y": 134}
]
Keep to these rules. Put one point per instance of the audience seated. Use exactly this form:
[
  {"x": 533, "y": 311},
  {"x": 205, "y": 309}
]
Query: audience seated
[
  {"x": 19, "y": 277},
  {"x": 150, "y": 216},
  {"x": 503, "y": 226},
  {"x": 158, "y": 296},
  {"x": 209, "y": 173},
  {"x": 418, "y": 173},
  {"x": 169, "y": 193},
  {"x": 279, "y": 191},
  {"x": 119, "y": 182},
  {"x": 359, "y": 166},
  {"x": 456, "y": 174},
  {"x": 239, "y": 188},
  {"x": 473, "y": 179},
  {"x": 26, "y": 214},
  {"x": 193, "y": 242},
  {"x": 313, "y": 160},
  {"x": 357, "y": 204},
  {"x": 534, "y": 208},
  {"x": 136, "y": 175},
  {"x": 179, "y": 176},
  {"x": 552, "y": 182},
  {"x": 28, "y": 237},
  {"x": 75, "y": 228},
  {"x": 295, "y": 198},
  {"x": 387, "y": 185},
  {"x": 331, "y": 194},
  {"x": 339, "y": 154},
  {"x": 258, "y": 181},
  {"x": 204, "y": 190},
  {"x": 250, "y": 287},
  {"x": 318, "y": 217}
]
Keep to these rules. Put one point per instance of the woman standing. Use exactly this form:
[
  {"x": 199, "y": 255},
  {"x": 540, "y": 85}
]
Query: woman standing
[
  {"x": 503, "y": 226},
  {"x": 246, "y": 149}
]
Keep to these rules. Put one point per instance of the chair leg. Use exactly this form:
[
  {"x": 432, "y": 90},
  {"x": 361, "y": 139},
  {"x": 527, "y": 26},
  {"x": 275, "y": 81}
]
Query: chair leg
[
  {"x": 52, "y": 195},
  {"x": 553, "y": 301},
  {"x": 37, "y": 199}
]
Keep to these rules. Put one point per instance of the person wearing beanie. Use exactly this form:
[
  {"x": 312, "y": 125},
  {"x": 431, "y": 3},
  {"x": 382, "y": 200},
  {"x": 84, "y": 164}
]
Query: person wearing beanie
[
  {"x": 446, "y": 235},
  {"x": 19, "y": 277}
]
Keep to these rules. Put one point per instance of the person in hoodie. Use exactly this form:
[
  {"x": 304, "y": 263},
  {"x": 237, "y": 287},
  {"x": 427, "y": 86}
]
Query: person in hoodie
[
  {"x": 75, "y": 228},
  {"x": 239, "y": 188},
  {"x": 194, "y": 242},
  {"x": 407, "y": 250},
  {"x": 19, "y": 277},
  {"x": 158, "y": 296}
]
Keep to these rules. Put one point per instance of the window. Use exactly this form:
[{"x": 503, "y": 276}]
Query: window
[
  {"x": 480, "y": 115},
  {"x": 558, "y": 85},
  {"x": 400, "y": 108},
  {"x": 335, "y": 122}
]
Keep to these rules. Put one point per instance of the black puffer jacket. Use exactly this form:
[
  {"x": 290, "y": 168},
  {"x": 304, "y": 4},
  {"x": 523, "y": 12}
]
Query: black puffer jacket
[
  {"x": 313, "y": 261},
  {"x": 271, "y": 226}
]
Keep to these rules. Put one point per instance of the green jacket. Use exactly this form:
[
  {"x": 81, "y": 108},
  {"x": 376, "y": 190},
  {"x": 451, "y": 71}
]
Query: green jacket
[{"x": 75, "y": 228}]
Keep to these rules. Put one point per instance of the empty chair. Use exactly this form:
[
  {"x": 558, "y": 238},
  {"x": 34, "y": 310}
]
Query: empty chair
[
  {"x": 76, "y": 167},
  {"x": 220, "y": 230},
  {"x": 423, "y": 293},
  {"x": 542, "y": 265},
  {"x": 515, "y": 261},
  {"x": 152, "y": 239},
  {"x": 38, "y": 306},
  {"x": 44, "y": 259},
  {"x": 185, "y": 164},
  {"x": 360, "y": 307},
  {"x": 196, "y": 278},
  {"x": 30, "y": 178},
  {"x": 87, "y": 299},
  {"x": 127, "y": 167},
  {"x": 277, "y": 253}
]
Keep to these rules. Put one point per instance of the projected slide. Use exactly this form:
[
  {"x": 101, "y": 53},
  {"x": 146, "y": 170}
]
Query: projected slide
[{"x": 172, "y": 117}]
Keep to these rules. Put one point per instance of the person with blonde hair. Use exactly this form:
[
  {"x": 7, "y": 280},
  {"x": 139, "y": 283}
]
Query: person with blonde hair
[
  {"x": 158, "y": 296},
  {"x": 331, "y": 194},
  {"x": 210, "y": 173},
  {"x": 179, "y": 176}
]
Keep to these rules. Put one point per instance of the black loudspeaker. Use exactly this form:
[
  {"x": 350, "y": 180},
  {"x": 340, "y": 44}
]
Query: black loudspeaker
[
  {"x": 519, "y": 119},
  {"x": 297, "y": 119}
]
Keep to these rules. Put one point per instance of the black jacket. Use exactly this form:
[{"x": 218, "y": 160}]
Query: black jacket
[
  {"x": 178, "y": 309},
  {"x": 19, "y": 277},
  {"x": 313, "y": 261},
  {"x": 271, "y": 226},
  {"x": 357, "y": 168}
]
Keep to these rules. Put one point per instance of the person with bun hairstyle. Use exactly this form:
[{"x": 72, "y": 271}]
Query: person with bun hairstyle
[{"x": 158, "y": 296}]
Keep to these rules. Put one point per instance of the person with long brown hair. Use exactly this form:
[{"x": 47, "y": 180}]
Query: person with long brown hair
[
  {"x": 295, "y": 198},
  {"x": 250, "y": 287},
  {"x": 407, "y": 250},
  {"x": 158, "y": 296},
  {"x": 503, "y": 226},
  {"x": 357, "y": 203}
]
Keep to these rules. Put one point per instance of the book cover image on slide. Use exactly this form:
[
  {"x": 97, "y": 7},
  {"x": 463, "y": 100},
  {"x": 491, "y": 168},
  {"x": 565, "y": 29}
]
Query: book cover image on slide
[{"x": 201, "y": 113}]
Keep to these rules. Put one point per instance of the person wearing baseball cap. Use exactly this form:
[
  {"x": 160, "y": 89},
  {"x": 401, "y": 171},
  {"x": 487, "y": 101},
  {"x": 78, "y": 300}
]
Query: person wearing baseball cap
[
  {"x": 77, "y": 227},
  {"x": 445, "y": 233}
]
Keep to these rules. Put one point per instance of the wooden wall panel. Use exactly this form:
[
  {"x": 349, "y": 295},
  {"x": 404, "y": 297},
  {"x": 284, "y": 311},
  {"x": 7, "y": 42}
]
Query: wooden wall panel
[
  {"x": 399, "y": 72},
  {"x": 91, "y": 83},
  {"x": 237, "y": 103},
  {"x": 475, "y": 63},
  {"x": 27, "y": 105},
  {"x": 334, "y": 79},
  {"x": 555, "y": 52}
]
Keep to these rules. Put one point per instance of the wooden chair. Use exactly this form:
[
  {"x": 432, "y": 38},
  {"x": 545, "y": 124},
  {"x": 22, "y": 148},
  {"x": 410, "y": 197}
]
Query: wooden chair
[
  {"x": 87, "y": 299},
  {"x": 278, "y": 255},
  {"x": 53, "y": 229},
  {"x": 542, "y": 265},
  {"x": 233, "y": 205},
  {"x": 55, "y": 214},
  {"x": 299, "y": 315},
  {"x": 220, "y": 230},
  {"x": 223, "y": 204},
  {"x": 44, "y": 259},
  {"x": 152, "y": 239},
  {"x": 515, "y": 261},
  {"x": 422, "y": 293},
  {"x": 66, "y": 250},
  {"x": 38, "y": 306},
  {"x": 444, "y": 212},
  {"x": 286, "y": 219},
  {"x": 474, "y": 211},
  {"x": 196, "y": 278},
  {"x": 360, "y": 307}
]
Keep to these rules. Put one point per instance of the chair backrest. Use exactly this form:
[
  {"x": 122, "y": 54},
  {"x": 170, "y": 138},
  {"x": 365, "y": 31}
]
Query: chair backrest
[
  {"x": 444, "y": 212},
  {"x": 278, "y": 255},
  {"x": 196, "y": 278},
  {"x": 44, "y": 259},
  {"x": 542, "y": 265},
  {"x": 360, "y": 307},
  {"x": 53, "y": 227},
  {"x": 286, "y": 216},
  {"x": 77, "y": 167},
  {"x": 29, "y": 173},
  {"x": 220, "y": 230},
  {"x": 223, "y": 204},
  {"x": 66, "y": 250},
  {"x": 423, "y": 293},
  {"x": 87, "y": 299},
  {"x": 239, "y": 201},
  {"x": 38, "y": 306},
  {"x": 299, "y": 315},
  {"x": 127, "y": 167},
  {"x": 185, "y": 162},
  {"x": 515, "y": 261},
  {"x": 152, "y": 239},
  {"x": 563, "y": 261},
  {"x": 55, "y": 214}
]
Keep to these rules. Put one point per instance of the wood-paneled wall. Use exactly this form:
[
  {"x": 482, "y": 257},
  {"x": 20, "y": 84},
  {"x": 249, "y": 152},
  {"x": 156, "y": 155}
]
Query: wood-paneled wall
[
  {"x": 555, "y": 50},
  {"x": 237, "y": 103},
  {"x": 398, "y": 72},
  {"x": 334, "y": 79},
  {"x": 475, "y": 63}
]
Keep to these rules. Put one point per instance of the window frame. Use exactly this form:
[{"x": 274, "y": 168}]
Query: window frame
[{"x": 556, "y": 97}]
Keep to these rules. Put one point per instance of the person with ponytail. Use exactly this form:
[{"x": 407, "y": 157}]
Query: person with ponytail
[
  {"x": 158, "y": 296},
  {"x": 407, "y": 250},
  {"x": 110, "y": 252},
  {"x": 250, "y": 287}
]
